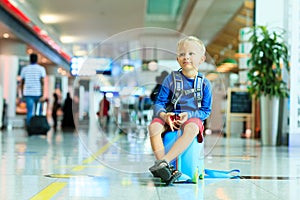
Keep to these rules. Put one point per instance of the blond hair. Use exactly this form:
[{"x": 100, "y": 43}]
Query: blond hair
[{"x": 194, "y": 39}]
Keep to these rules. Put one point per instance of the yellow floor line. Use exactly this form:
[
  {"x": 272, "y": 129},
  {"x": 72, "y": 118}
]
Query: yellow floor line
[
  {"x": 66, "y": 175},
  {"x": 49, "y": 191},
  {"x": 79, "y": 168},
  {"x": 54, "y": 188},
  {"x": 100, "y": 151}
]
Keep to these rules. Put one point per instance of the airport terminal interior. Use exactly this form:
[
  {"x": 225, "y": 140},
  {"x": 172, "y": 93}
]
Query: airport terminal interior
[{"x": 119, "y": 50}]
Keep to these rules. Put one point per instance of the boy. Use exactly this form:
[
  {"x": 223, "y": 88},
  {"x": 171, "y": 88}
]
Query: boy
[{"x": 185, "y": 114}]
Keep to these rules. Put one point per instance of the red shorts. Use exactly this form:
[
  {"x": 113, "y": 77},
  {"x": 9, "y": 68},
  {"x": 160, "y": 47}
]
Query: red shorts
[{"x": 197, "y": 121}]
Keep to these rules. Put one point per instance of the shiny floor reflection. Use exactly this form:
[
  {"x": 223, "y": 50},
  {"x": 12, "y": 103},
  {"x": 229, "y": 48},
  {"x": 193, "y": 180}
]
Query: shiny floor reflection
[{"x": 92, "y": 164}]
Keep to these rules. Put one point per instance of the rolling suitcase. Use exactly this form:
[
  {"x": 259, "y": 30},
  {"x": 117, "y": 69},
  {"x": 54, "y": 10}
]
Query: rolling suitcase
[
  {"x": 190, "y": 162},
  {"x": 38, "y": 124}
]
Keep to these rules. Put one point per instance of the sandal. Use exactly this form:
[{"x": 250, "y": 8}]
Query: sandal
[
  {"x": 175, "y": 175},
  {"x": 161, "y": 169},
  {"x": 167, "y": 173}
]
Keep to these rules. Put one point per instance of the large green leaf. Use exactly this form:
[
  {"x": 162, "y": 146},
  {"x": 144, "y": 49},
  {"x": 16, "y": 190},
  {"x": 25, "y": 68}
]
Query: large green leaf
[{"x": 268, "y": 53}]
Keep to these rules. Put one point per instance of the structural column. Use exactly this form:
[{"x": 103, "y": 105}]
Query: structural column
[
  {"x": 294, "y": 131},
  {"x": 49, "y": 89},
  {"x": 9, "y": 66},
  {"x": 10, "y": 52},
  {"x": 64, "y": 86}
]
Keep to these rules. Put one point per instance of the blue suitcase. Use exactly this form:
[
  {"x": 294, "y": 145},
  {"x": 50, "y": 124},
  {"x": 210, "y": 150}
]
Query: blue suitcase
[{"x": 190, "y": 162}]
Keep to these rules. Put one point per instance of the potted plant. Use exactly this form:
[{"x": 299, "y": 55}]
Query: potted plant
[{"x": 268, "y": 57}]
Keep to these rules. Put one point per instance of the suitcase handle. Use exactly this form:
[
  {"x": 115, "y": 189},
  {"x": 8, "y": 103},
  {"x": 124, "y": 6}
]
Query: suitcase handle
[{"x": 38, "y": 108}]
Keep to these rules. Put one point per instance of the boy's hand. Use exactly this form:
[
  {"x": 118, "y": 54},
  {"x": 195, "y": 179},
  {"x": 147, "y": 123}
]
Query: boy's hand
[
  {"x": 42, "y": 99},
  {"x": 171, "y": 119},
  {"x": 176, "y": 121},
  {"x": 175, "y": 117},
  {"x": 183, "y": 117}
]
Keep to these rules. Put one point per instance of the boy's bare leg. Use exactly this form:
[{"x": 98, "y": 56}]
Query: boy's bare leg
[
  {"x": 190, "y": 131},
  {"x": 155, "y": 130}
]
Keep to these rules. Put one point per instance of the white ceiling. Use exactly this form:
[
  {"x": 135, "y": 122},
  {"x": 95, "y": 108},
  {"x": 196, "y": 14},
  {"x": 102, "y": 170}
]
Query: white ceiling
[
  {"x": 96, "y": 20},
  {"x": 92, "y": 21}
]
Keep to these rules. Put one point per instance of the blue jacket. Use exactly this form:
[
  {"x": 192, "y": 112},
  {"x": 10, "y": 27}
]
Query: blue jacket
[{"x": 187, "y": 103}]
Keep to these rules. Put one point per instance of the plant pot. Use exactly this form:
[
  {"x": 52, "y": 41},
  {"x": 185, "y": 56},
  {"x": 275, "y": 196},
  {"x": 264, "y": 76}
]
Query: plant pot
[{"x": 269, "y": 120}]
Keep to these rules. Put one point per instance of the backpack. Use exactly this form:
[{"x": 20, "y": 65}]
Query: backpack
[{"x": 178, "y": 89}]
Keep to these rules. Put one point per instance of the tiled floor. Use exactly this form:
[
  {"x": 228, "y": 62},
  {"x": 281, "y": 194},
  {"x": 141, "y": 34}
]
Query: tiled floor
[{"x": 90, "y": 164}]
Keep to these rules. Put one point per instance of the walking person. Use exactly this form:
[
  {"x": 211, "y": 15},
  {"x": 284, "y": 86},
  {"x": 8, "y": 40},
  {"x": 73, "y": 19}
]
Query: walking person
[
  {"x": 103, "y": 112},
  {"x": 32, "y": 85},
  {"x": 68, "y": 119},
  {"x": 55, "y": 107}
]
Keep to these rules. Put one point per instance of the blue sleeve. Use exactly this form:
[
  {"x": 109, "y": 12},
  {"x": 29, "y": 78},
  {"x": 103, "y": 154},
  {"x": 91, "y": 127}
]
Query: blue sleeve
[
  {"x": 162, "y": 99},
  {"x": 205, "y": 110}
]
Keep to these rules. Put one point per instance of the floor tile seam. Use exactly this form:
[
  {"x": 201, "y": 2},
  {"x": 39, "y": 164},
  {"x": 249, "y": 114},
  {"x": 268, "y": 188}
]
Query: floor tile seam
[{"x": 262, "y": 188}]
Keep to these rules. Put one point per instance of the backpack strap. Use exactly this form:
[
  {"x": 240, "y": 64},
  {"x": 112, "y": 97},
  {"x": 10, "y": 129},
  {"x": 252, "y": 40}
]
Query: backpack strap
[
  {"x": 198, "y": 84},
  {"x": 178, "y": 88}
]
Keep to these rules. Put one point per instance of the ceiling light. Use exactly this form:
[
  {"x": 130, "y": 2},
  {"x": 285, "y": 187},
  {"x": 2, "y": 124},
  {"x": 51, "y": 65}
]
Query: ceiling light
[
  {"x": 67, "y": 39},
  {"x": 44, "y": 60},
  {"x": 212, "y": 76},
  {"x": 152, "y": 66},
  {"x": 5, "y": 35},
  {"x": 29, "y": 51},
  {"x": 227, "y": 65},
  {"x": 52, "y": 19},
  {"x": 242, "y": 55}
]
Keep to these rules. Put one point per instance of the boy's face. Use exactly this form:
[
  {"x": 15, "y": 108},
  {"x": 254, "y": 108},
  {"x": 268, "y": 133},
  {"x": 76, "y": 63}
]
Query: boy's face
[{"x": 190, "y": 56}]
